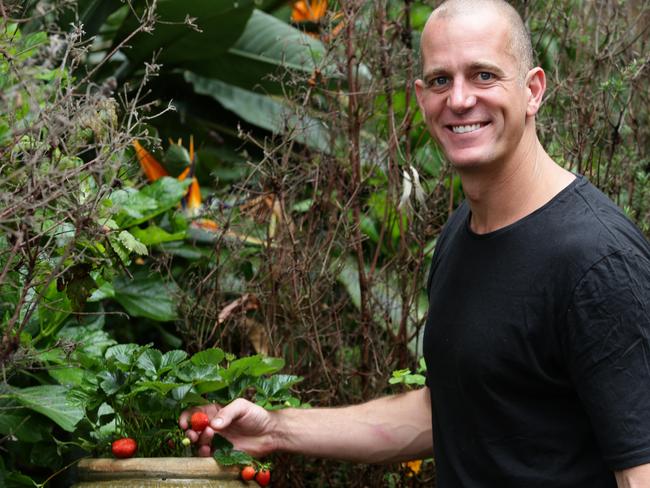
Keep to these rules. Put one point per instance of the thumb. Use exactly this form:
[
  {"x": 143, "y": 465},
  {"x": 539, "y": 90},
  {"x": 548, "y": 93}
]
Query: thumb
[{"x": 230, "y": 413}]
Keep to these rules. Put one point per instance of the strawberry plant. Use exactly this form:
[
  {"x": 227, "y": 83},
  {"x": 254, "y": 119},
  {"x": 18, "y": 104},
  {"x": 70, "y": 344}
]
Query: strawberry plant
[{"x": 138, "y": 392}]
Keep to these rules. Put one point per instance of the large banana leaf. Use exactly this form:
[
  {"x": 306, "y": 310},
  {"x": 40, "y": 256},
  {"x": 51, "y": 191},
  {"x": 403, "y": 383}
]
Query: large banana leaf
[
  {"x": 51, "y": 401},
  {"x": 270, "y": 113},
  {"x": 90, "y": 13},
  {"x": 267, "y": 46},
  {"x": 219, "y": 24}
]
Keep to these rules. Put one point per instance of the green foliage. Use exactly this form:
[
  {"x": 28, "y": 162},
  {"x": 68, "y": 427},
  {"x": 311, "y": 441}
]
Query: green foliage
[
  {"x": 407, "y": 378},
  {"x": 138, "y": 391},
  {"x": 319, "y": 246}
]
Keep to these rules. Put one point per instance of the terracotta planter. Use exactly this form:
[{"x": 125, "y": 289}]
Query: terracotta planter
[{"x": 156, "y": 472}]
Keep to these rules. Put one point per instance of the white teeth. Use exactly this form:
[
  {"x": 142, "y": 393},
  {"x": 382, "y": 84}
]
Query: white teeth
[{"x": 461, "y": 129}]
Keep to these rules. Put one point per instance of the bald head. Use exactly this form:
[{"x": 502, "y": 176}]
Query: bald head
[{"x": 520, "y": 44}]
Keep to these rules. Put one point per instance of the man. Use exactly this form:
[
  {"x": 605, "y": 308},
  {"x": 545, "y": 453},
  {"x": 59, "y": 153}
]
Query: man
[{"x": 538, "y": 336}]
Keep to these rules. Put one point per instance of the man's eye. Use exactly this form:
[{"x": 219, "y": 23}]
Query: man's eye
[
  {"x": 438, "y": 81},
  {"x": 485, "y": 76}
]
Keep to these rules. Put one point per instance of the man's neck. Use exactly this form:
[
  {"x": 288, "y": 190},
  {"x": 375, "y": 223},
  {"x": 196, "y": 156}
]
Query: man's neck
[{"x": 502, "y": 196}]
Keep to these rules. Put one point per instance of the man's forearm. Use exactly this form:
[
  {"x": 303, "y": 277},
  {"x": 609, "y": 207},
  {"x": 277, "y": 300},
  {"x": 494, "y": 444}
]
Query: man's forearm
[
  {"x": 389, "y": 429},
  {"x": 637, "y": 477}
]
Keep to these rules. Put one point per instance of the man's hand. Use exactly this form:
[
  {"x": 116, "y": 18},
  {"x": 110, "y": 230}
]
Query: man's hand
[{"x": 245, "y": 425}]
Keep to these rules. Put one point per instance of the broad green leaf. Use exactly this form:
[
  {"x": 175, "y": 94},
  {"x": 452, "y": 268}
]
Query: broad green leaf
[
  {"x": 228, "y": 457},
  {"x": 150, "y": 360},
  {"x": 146, "y": 296},
  {"x": 67, "y": 376},
  {"x": 187, "y": 251},
  {"x": 179, "y": 393},
  {"x": 92, "y": 339},
  {"x": 203, "y": 387},
  {"x": 136, "y": 207},
  {"x": 267, "y": 366},
  {"x": 166, "y": 191},
  {"x": 129, "y": 241},
  {"x": 172, "y": 358},
  {"x": 219, "y": 24},
  {"x": 268, "y": 46},
  {"x": 53, "y": 309},
  {"x": 106, "y": 290},
  {"x": 43, "y": 455},
  {"x": 124, "y": 354},
  {"x": 253, "y": 366},
  {"x": 22, "y": 423},
  {"x": 110, "y": 382},
  {"x": 270, "y": 113},
  {"x": 276, "y": 384},
  {"x": 153, "y": 234},
  {"x": 205, "y": 372},
  {"x": 91, "y": 14},
  {"x": 160, "y": 387},
  {"x": 209, "y": 356},
  {"x": 51, "y": 401}
]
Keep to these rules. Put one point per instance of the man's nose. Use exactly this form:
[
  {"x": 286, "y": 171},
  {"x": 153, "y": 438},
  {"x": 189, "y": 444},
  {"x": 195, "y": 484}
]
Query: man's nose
[{"x": 460, "y": 97}]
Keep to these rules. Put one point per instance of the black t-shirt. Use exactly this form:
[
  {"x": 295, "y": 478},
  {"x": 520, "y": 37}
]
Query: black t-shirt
[{"x": 537, "y": 346}]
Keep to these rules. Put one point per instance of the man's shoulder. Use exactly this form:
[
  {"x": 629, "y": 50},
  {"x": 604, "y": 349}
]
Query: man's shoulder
[{"x": 594, "y": 222}]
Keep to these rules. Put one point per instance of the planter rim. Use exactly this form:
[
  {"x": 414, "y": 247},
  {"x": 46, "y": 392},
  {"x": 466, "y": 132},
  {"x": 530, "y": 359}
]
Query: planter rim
[{"x": 97, "y": 469}]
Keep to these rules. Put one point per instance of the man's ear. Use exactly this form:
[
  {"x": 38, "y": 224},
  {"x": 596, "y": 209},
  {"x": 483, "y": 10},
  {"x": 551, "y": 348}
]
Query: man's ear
[
  {"x": 419, "y": 91},
  {"x": 535, "y": 86}
]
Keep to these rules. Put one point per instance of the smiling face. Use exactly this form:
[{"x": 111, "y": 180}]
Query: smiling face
[{"x": 477, "y": 100}]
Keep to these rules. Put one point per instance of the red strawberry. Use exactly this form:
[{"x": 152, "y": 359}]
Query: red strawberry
[
  {"x": 263, "y": 477},
  {"x": 199, "y": 421},
  {"x": 124, "y": 448},
  {"x": 248, "y": 473}
]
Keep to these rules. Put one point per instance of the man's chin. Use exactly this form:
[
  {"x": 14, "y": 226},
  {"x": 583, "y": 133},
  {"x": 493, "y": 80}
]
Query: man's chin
[{"x": 468, "y": 163}]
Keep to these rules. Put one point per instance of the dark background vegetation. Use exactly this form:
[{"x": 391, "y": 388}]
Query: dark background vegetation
[{"x": 304, "y": 147}]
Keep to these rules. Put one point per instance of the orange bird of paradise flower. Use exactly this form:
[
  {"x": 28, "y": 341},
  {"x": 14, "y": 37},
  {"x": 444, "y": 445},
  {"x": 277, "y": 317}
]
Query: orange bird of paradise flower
[
  {"x": 308, "y": 11},
  {"x": 154, "y": 170}
]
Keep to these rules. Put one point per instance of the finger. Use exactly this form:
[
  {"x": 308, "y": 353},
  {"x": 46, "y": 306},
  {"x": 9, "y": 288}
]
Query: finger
[
  {"x": 191, "y": 435},
  {"x": 204, "y": 451},
  {"x": 205, "y": 438},
  {"x": 226, "y": 415},
  {"x": 183, "y": 419}
]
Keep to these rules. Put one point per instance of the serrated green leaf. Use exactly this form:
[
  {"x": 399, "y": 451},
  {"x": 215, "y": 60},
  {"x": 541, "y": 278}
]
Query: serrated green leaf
[
  {"x": 129, "y": 241},
  {"x": 232, "y": 457},
  {"x": 268, "y": 365},
  {"x": 124, "y": 354},
  {"x": 203, "y": 387},
  {"x": 110, "y": 382},
  {"x": 204, "y": 372},
  {"x": 276, "y": 385},
  {"x": 180, "y": 393},
  {"x": 153, "y": 234},
  {"x": 209, "y": 356},
  {"x": 159, "y": 387},
  {"x": 172, "y": 358},
  {"x": 136, "y": 207},
  {"x": 150, "y": 360}
]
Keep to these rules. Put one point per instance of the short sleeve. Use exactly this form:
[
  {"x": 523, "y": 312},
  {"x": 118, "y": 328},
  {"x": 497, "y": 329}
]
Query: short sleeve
[{"x": 608, "y": 355}]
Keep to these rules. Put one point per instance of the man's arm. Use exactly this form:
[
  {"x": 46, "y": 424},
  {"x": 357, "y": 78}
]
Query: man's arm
[
  {"x": 636, "y": 477},
  {"x": 388, "y": 429}
]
